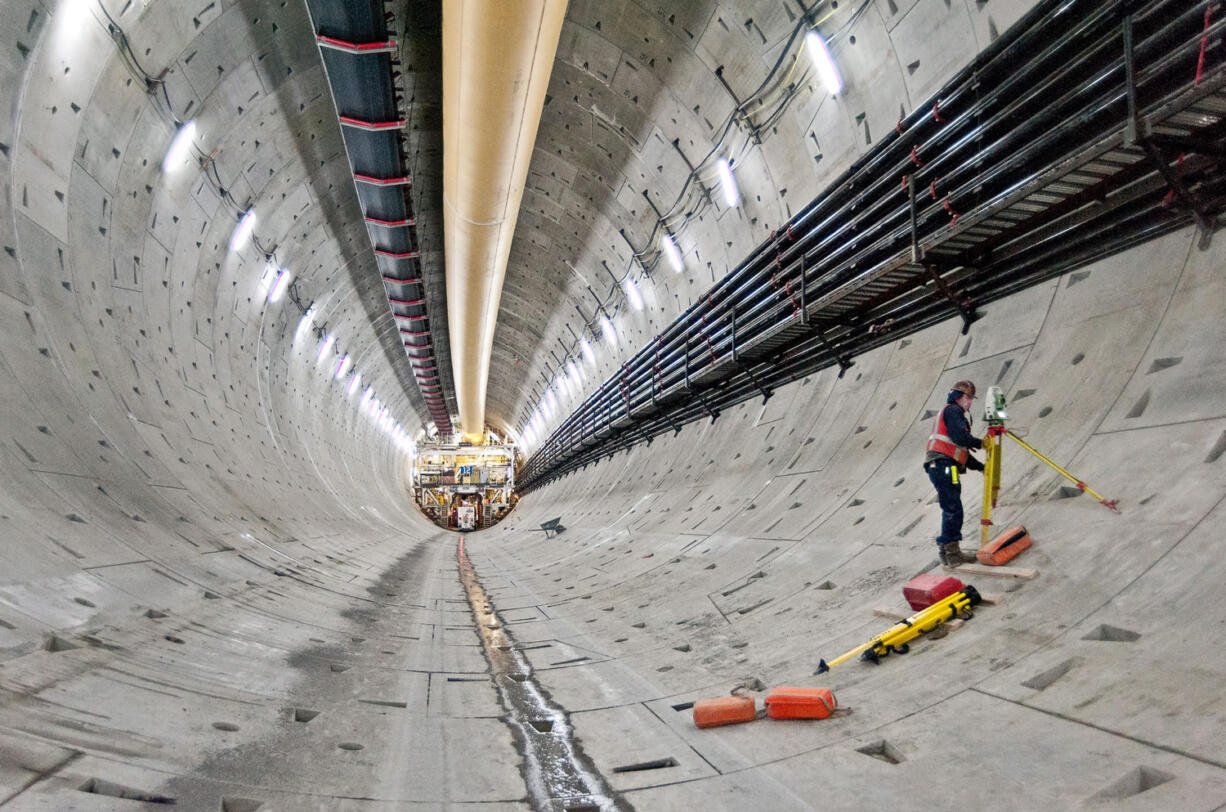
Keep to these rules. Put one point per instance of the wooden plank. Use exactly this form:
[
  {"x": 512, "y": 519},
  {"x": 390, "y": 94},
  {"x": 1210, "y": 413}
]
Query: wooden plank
[
  {"x": 995, "y": 572},
  {"x": 890, "y": 613}
]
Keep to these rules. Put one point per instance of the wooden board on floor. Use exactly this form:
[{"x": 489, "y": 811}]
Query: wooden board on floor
[
  {"x": 995, "y": 572},
  {"x": 890, "y": 613}
]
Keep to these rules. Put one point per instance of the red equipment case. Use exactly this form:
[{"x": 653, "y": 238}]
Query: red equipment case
[
  {"x": 788, "y": 702},
  {"x": 1004, "y": 547},
  {"x": 724, "y": 710},
  {"x": 924, "y": 590}
]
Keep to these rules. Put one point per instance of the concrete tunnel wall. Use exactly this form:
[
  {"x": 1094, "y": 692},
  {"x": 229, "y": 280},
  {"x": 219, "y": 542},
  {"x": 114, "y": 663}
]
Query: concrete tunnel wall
[{"x": 214, "y": 589}]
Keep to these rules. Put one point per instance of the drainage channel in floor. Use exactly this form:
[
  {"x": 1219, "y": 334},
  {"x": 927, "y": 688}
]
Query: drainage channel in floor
[{"x": 559, "y": 777}]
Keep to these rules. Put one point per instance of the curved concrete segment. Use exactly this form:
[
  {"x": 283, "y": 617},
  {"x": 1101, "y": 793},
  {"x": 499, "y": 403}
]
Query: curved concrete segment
[{"x": 213, "y": 588}]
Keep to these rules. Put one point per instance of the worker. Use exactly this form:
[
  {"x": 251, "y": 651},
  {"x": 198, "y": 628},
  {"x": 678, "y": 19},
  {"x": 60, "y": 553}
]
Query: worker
[{"x": 946, "y": 456}]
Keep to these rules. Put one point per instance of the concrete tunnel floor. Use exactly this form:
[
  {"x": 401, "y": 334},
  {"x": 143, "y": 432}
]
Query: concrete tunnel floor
[{"x": 341, "y": 667}]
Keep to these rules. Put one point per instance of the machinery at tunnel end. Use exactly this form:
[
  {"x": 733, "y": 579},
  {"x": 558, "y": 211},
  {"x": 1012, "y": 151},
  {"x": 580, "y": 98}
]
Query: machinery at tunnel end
[{"x": 463, "y": 486}]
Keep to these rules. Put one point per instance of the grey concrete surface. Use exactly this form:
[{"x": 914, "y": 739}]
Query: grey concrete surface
[{"x": 214, "y": 589}]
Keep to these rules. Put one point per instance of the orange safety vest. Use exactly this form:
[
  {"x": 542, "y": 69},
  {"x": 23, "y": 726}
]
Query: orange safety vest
[{"x": 939, "y": 442}]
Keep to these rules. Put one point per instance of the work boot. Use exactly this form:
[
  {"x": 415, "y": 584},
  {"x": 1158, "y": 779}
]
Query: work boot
[{"x": 951, "y": 555}]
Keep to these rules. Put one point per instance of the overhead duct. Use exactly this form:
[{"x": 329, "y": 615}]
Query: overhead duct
[{"x": 497, "y": 57}]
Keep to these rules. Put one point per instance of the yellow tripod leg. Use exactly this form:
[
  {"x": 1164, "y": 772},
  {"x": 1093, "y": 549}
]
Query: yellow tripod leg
[
  {"x": 991, "y": 472},
  {"x": 1110, "y": 504},
  {"x": 996, "y": 469}
]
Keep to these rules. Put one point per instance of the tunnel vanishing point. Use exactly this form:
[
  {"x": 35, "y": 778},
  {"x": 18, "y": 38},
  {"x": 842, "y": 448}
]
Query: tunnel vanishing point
[{"x": 719, "y": 265}]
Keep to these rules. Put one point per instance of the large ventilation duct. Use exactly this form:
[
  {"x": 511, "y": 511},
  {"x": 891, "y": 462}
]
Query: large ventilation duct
[{"x": 497, "y": 58}]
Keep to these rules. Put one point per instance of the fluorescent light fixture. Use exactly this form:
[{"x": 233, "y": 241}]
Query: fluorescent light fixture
[
  {"x": 551, "y": 401},
  {"x": 367, "y": 394},
  {"x": 562, "y": 385},
  {"x": 353, "y": 384},
  {"x": 180, "y": 147},
  {"x": 573, "y": 369},
  {"x": 304, "y": 323},
  {"x": 242, "y": 231},
  {"x": 610, "y": 335},
  {"x": 587, "y": 351},
  {"x": 671, "y": 251},
  {"x": 279, "y": 287},
  {"x": 327, "y": 345},
  {"x": 824, "y": 62},
  {"x": 343, "y": 366},
  {"x": 728, "y": 183},
  {"x": 632, "y": 293}
]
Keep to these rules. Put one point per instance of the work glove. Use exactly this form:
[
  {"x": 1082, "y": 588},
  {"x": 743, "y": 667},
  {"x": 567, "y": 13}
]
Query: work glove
[{"x": 973, "y": 464}]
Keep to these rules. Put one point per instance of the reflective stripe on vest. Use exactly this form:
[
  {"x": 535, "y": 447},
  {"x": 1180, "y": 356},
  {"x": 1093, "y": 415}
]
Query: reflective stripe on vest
[{"x": 940, "y": 443}]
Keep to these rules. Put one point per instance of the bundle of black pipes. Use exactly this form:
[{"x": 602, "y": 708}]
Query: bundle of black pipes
[{"x": 1088, "y": 128}]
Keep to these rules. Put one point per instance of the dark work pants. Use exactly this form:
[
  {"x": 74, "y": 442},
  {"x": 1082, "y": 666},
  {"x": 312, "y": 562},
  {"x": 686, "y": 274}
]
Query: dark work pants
[{"x": 945, "y": 479}]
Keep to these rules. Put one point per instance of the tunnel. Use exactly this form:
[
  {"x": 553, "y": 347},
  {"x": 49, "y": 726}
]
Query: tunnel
[{"x": 217, "y": 593}]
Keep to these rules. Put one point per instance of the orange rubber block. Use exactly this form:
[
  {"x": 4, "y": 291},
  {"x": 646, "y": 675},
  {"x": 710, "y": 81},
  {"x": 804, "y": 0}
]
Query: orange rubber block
[
  {"x": 1004, "y": 547},
  {"x": 724, "y": 710},
  {"x": 788, "y": 702}
]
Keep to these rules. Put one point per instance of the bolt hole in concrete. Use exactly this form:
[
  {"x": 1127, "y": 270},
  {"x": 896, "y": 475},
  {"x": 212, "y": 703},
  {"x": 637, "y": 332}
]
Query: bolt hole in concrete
[
  {"x": 240, "y": 804},
  {"x": 227, "y": 726},
  {"x": 1044, "y": 679},
  {"x": 1142, "y": 779},
  {"x": 351, "y": 746},
  {"x": 97, "y": 786},
  {"x": 57, "y": 643},
  {"x": 304, "y": 714},
  {"x": 1113, "y": 634},
  {"x": 882, "y": 750}
]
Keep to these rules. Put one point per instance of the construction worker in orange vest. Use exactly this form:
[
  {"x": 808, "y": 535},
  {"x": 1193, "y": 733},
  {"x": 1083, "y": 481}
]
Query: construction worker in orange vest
[{"x": 946, "y": 456}]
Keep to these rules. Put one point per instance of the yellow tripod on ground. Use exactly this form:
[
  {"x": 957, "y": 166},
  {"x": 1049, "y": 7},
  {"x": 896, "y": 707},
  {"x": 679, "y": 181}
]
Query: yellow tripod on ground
[
  {"x": 993, "y": 444},
  {"x": 896, "y": 638}
]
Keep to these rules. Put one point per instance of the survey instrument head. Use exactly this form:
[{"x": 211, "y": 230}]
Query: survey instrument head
[{"x": 994, "y": 407}]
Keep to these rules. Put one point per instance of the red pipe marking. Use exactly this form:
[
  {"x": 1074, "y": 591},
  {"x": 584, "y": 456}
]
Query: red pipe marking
[
  {"x": 373, "y": 126},
  {"x": 1204, "y": 41},
  {"x": 381, "y": 181},
  {"x": 356, "y": 47}
]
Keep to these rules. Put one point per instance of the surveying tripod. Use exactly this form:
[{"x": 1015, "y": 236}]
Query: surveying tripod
[
  {"x": 897, "y": 638},
  {"x": 995, "y": 415}
]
